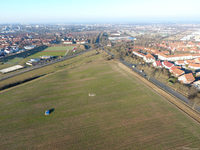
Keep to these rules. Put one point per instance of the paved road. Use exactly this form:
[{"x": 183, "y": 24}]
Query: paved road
[
  {"x": 43, "y": 65},
  {"x": 157, "y": 83}
]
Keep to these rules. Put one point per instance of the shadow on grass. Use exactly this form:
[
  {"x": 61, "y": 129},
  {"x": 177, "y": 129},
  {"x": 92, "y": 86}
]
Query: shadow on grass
[{"x": 19, "y": 82}]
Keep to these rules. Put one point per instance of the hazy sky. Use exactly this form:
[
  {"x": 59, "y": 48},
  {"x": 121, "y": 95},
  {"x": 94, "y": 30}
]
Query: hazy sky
[{"x": 63, "y": 11}]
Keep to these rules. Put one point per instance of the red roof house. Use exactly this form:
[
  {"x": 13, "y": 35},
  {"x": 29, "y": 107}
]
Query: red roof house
[
  {"x": 186, "y": 78},
  {"x": 177, "y": 72},
  {"x": 157, "y": 64},
  {"x": 167, "y": 64}
]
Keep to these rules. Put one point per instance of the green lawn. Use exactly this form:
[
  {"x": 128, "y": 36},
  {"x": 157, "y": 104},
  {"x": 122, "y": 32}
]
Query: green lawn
[
  {"x": 50, "y": 51},
  {"x": 124, "y": 114},
  {"x": 59, "y": 48},
  {"x": 53, "y": 51},
  {"x": 14, "y": 61}
]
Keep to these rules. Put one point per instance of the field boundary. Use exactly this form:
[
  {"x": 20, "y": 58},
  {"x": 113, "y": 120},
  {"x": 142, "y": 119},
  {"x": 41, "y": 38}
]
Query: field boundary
[
  {"x": 31, "y": 81},
  {"x": 170, "y": 98}
]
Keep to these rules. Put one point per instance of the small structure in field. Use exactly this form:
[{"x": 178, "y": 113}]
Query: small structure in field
[
  {"x": 49, "y": 111},
  {"x": 91, "y": 94},
  {"x": 33, "y": 61}
]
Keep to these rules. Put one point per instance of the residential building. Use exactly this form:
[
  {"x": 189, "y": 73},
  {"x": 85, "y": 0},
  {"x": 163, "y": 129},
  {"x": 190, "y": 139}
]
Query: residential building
[
  {"x": 194, "y": 66},
  {"x": 177, "y": 72},
  {"x": 197, "y": 60},
  {"x": 138, "y": 54},
  {"x": 186, "y": 78},
  {"x": 180, "y": 62},
  {"x": 149, "y": 58},
  {"x": 157, "y": 64},
  {"x": 68, "y": 42},
  {"x": 162, "y": 56},
  {"x": 189, "y": 61},
  {"x": 167, "y": 64},
  {"x": 29, "y": 47},
  {"x": 174, "y": 67}
]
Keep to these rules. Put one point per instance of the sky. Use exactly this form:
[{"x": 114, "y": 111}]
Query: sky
[{"x": 104, "y": 11}]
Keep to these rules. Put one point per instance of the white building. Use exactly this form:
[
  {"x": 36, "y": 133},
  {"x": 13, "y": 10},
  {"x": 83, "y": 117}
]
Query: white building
[
  {"x": 81, "y": 42},
  {"x": 29, "y": 47},
  {"x": 180, "y": 63},
  {"x": 33, "y": 61},
  {"x": 10, "y": 69},
  {"x": 177, "y": 57},
  {"x": 194, "y": 66},
  {"x": 138, "y": 54},
  {"x": 67, "y": 42}
]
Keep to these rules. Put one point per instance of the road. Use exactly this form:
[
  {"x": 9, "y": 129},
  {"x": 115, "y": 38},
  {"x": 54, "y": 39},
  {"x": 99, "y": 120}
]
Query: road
[{"x": 43, "y": 65}]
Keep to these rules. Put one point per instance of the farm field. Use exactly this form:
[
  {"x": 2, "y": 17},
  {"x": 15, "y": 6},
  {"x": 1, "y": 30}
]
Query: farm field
[{"x": 122, "y": 114}]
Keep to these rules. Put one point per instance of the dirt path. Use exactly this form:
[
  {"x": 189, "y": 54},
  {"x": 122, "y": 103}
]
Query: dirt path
[{"x": 195, "y": 115}]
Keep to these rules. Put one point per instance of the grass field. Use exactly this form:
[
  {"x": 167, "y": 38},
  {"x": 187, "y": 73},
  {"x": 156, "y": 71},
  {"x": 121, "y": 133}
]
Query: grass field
[
  {"x": 59, "y": 48},
  {"x": 53, "y": 51},
  {"x": 124, "y": 114}
]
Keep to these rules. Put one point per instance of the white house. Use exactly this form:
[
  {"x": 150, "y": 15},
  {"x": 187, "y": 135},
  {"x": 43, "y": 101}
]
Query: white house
[
  {"x": 162, "y": 56},
  {"x": 138, "y": 54},
  {"x": 180, "y": 62},
  {"x": 67, "y": 42},
  {"x": 194, "y": 66},
  {"x": 81, "y": 42}
]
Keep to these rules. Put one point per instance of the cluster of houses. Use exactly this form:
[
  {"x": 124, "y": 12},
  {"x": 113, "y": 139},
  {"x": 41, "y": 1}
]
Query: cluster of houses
[
  {"x": 17, "y": 43},
  {"x": 184, "y": 67},
  {"x": 181, "y": 46},
  {"x": 15, "y": 49},
  {"x": 71, "y": 40}
]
